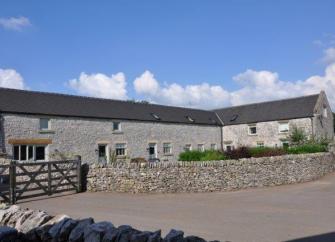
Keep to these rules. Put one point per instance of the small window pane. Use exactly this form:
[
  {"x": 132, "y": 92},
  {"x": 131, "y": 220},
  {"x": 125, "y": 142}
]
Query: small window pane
[
  {"x": 283, "y": 127},
  {"x": 30, "y": 152},
  {"x": 40, "y": 153},
  {"x": 188, "y": 147},
  {"x": 260, "y": 144},
  {"x": 16, "y": 152},
  {"x": 120, "y": 149},
  {"x": 23, "y": 152},
  {"x": 201, "y": 147},
  {"x": 44, "y": 123},
  {"x": 167, "y": 148},
  {"x": 213, "y": 147},
  {"x": 116, "y": 126},
  {"x": 252, "y": 130}
]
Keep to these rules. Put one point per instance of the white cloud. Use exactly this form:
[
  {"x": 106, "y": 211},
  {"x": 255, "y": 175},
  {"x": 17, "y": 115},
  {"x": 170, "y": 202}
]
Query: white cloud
[
  {"x": 202, "y": 95},
  {"x": 255, "y": 86},
  {"x": 101, "y": 85},
  {"x": 146, "y": 84},
  {"x": 9, "y": 78},
  {"x": 329, "y": 55},
  {"x": 16, "y": 24}
]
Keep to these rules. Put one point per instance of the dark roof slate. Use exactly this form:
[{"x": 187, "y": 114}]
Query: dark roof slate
[
  {"x": 292, "y": 108},
  {"x": 31, "y": 102}
]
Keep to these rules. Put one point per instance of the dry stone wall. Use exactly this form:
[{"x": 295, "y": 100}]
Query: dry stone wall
[
  {"x": 25, "y": 225},
  {"x": 209, "y": 176}
]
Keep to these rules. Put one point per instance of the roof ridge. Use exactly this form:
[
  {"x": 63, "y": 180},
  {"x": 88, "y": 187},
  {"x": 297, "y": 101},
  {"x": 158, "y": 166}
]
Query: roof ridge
[
  {"x": 100, "y": 99},
  {"x": 271, "y": 101}
]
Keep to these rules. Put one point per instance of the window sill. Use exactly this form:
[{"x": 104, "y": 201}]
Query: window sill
[
  {"x": 46, "y": 131},
  {"x": 252, "y": 134},
  {"x": 168, "y": 154},
  {"x": 283, "y": 132},
  {"x": 117, "y": 132},
  {"x": 121, "y": 157}
]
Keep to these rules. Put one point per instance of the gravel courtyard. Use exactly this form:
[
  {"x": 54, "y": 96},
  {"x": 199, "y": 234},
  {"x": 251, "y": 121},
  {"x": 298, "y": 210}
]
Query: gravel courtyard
[{"x": 264, "y": 214}]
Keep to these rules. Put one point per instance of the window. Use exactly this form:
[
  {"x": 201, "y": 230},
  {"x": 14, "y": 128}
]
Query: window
[
  {"x": 188, "y": 147},
  {"x": 120, "y": 149},
  {"x": 116, "y": 126},
  {"x": 213, "y": 147},
  {"x": 201, "y": 147},
  {"x": 29, "y": 152},
  {"x": 44, "y": 124},
  {"x": 283, "y": 127},
  {"x": 40, "y": 153},
  {"x": 252, "y": 129},
  {"x": 325, "y": 112},
  {"x": 229, "y": 148},
  {"x": 190, "y": 119},
  {"x": 167, "y": 148},
  {"x": 260, "y": 144},
  {"x": 285, "y": 144},
  {"x": 155, "y": 116}
]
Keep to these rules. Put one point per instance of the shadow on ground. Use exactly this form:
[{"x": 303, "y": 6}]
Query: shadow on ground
[{"x": 329, "y": 237}]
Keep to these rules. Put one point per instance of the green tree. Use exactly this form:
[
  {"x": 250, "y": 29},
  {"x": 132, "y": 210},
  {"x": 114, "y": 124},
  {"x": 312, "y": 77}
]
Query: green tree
[{"x": 297, "y": 137}]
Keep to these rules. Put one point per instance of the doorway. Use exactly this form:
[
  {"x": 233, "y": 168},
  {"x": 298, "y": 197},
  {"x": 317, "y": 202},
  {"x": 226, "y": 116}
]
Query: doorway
[
  {"x": 152, "y": 151},
  {"x": 102, "y": 152}
]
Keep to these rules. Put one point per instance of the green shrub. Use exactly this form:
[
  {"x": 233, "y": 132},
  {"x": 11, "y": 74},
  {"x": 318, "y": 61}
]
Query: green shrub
[
  {"x": 201, "y": 156},
  {"x": 307, "y": 148},
  {"x": 213, "y": 155},
  {"x": 190, "y": 156}
]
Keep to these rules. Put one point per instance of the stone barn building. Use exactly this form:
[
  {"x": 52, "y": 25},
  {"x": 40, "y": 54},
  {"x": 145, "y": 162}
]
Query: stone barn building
[{"x": 44, "y": 126}]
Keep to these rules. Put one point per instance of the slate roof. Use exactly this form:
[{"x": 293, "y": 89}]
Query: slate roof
[
  {"x": 292, "y": 108},
  {"x": 31, "y": 102}
]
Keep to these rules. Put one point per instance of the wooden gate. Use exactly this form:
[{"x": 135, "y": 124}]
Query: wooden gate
[{"x": 33, "y": 179}]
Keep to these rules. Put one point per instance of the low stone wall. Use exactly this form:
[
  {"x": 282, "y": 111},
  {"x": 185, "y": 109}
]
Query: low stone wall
[
  {"x": 25, "y": 225},
  {"x": 209, "y": 176}
]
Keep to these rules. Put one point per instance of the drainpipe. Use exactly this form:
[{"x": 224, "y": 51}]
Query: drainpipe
[{"x": 221, "y": 130}]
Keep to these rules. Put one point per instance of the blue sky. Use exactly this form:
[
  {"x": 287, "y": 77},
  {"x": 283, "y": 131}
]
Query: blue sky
[{"x": 187, "y": 53}]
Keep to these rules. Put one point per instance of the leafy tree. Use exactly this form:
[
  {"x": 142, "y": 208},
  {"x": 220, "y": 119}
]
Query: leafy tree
[{"x": 297, "y": 137}]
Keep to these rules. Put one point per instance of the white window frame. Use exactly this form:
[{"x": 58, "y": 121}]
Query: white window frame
[
  {"x": 283, "y": 131},
  {"x": 325, "y": 112},
  {"x": 167, "y": 147},
  {"x": 214, "y": 146},
  {"x": 34, "y": 152},
  {"x": 201, "y": 147},
  {"x": 48, "y": 124},
  {"x": 260, "y": 144},
  {"x": 250, "y": 126},
  {"x": 124, "y": 148},
  {"x": 188, "y": 147},
  {"x": 119, "y": 126}
]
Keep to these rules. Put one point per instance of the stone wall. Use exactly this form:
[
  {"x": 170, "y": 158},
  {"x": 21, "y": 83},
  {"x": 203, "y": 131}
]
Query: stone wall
[
  {"x": 79, "y": 136},
  {"x": 25, "y": 225},
  {"x": 267, "y": 132},
  {"x": 210, "y": 176},
  {"x": 323, "y": 122}
]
